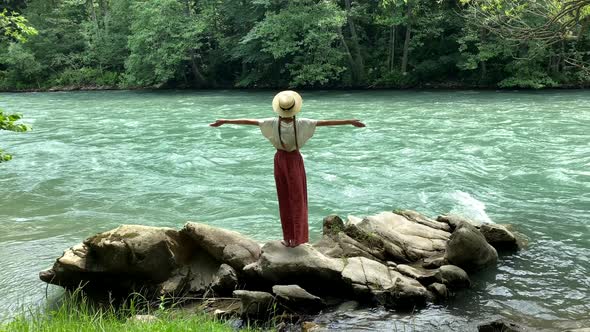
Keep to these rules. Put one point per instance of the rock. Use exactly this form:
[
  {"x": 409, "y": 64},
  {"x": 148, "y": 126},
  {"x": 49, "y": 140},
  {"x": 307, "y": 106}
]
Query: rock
[
  {"x": 150, "y": 252},
  {"x": 499, "y": 237},
  {"x": 366, "y": 277},
  {"x": 226, "y": 246},
  {"x": 405, "y": 293},
  {"x": 424, "y": 276},
  {"x": 347, "y": 306},
  {"x": 455, "y": 221},
  {"x": 440, "y": 291},
  {"x": 468, "y": 249},
  {"x": 434, "y": 262},
  {"x": 255, "y": 304},
  {"x": 453, "y": 277},
  {"x": 143, "y": 319},
  {"x": 297, "y": 299},
  {"x": 302, "y": 265},
  {"x": 584, "y": 329},
  {"x": 341, "y": 245},
  {"x": 332, "y": 225},
  {"x": 421, "y": 219},
  {"x": 309, "y": 327},
  {"x": 128, "y": 257},
  {"x": 225, "y": 280},
  {"x": 404, "y": 240},
  {"x": 500, "y": 325}
]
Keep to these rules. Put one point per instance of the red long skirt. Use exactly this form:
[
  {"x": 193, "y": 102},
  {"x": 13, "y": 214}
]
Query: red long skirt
[{"x": 292, "y": 193}]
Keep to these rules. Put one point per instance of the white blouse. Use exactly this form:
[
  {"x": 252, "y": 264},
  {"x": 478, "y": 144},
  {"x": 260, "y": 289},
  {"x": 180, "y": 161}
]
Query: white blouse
[{"x": 270, "y": 129}]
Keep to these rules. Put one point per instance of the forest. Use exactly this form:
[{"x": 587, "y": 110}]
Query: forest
[{"x": 87, "y": 44}]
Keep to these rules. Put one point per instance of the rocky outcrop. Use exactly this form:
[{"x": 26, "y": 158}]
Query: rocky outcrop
[{"x": 400, "y": 260}]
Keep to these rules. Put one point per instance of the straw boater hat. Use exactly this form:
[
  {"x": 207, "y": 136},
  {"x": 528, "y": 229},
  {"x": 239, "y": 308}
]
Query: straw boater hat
[{"x": 287, "y": 103}]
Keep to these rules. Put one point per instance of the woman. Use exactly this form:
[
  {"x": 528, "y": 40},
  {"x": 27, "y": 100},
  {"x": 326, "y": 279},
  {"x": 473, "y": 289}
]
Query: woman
[{"x": 288, "y": 135}]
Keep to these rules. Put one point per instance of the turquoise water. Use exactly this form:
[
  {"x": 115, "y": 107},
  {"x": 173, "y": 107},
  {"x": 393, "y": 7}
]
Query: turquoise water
[{"x": 96, "y": 160}]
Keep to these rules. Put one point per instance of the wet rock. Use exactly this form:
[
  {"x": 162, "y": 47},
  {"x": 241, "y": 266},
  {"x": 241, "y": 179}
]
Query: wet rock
[
  {"x": 468, "y": 249},
  {"x": 302, "y": 265},
  {"x": 440, "y": 291},
  {"x": 226, "y": 246},
  {"x": 424, "y": 276},
  {"x": 347, "y": 306},
  {"x": 455, "y": 221},
  {"x": 499, "y": 237},
  {"x": 297, "y": 299},
  {"x": 405, "y": 293},
  {"x": 255, "y": 304},
  {"x": 453, "y": 277},
  {"x": 404, "y": 240},
  {"x": 500, "y": 325}
]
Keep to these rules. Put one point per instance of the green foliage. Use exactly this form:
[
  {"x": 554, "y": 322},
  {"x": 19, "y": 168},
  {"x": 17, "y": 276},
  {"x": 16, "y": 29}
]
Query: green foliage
[
  {"x": 14, "y": 26},
  {"x": 10, "y": 122},
  {"x": 302, "y": 39},
  {"x": 305, "y": 43},
  {"x": 162, "y": 35}
]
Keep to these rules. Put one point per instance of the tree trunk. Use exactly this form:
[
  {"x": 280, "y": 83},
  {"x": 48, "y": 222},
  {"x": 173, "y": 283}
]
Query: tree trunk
[
  {"x": 347, "y": 51},
  {"x": 408, "y": 37},
  {"x": 198, "y": 77},
  {"x": 359, "y": 65},
  {"x": 391, "y": 53},
  {"x": 484, "y": 67}
]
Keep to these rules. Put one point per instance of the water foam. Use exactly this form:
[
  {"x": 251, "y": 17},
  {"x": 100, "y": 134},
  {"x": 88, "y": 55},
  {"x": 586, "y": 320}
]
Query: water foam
[{"x": 469, "y": 206}]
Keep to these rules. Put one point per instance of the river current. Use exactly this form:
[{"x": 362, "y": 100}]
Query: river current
[{"x": 95, "y": 160}]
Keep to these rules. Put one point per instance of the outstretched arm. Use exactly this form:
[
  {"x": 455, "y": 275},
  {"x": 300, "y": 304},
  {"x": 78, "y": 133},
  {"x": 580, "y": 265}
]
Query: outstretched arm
[
  {"x": 354, "y": 122},
  {"x": 220, "y": 122}
]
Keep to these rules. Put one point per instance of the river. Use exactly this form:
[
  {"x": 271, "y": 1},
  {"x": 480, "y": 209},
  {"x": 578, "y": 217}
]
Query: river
[{"x": 96, "y": 160}]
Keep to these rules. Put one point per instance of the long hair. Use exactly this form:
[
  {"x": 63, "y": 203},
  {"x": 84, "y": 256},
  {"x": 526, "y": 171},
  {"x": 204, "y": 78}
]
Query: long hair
[{"x": 294, "y": 128}]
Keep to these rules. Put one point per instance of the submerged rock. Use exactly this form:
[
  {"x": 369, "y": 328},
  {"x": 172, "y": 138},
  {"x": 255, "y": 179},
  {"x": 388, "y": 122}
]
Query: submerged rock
[{"x": 500, "y": 325}]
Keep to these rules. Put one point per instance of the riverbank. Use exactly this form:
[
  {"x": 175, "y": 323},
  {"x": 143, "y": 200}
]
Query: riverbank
[
  {"x": 452, "y": 86},
  {"x": 77, "y": 313}
]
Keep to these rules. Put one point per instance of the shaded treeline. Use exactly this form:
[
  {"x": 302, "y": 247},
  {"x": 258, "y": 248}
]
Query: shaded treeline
[{"x": 303, "y": 43}]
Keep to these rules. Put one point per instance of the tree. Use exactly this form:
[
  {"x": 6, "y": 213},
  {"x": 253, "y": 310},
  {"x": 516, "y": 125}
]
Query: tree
[
  {"x": 164, "y": 40},
  {"x": 302, "y": 41},
  {"x": 15, "y": 28}
]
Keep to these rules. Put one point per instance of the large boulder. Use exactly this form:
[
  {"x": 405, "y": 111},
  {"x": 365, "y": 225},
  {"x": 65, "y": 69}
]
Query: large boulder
[
  {"x": 122, "y": 258},
  {"x": 424, "y": 220},
  {"x": 468, "y": 249},
  {"x": 226, "y": 246},
  {"x": 405, "y": 240},
  {"x": 302, "y": 265},
  {"x": 455, "y": 220},
  {"x": 424, "y": 276}
]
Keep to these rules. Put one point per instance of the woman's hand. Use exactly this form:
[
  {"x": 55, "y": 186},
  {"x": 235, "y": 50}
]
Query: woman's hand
[
  {"x": 357, "y": 123},
  {"x": 217, "y": 123}
]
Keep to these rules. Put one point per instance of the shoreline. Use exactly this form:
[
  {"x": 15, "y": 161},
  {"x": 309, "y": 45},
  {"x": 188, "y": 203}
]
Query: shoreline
[{"x": 432, "y": 87}]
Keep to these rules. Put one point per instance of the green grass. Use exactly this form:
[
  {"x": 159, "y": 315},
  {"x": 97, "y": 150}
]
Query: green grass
[{"x": 76, "y": 313}]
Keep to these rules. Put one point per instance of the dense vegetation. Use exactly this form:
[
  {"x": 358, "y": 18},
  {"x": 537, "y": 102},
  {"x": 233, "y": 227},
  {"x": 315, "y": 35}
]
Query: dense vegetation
[{"x": 304, "y": 43}]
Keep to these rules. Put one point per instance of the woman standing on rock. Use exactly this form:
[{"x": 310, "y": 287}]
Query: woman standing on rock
[{"x": 288, "y": 134}]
